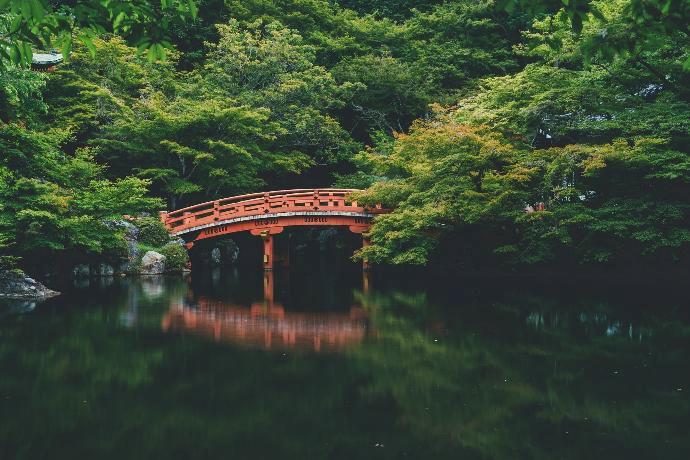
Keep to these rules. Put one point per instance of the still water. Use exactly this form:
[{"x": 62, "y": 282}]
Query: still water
[{"x": 227, "y": 364}]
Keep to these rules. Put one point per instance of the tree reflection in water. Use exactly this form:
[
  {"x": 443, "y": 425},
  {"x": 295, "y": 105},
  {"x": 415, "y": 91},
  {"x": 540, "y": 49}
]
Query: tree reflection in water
[{"x": 491, "y": 376}]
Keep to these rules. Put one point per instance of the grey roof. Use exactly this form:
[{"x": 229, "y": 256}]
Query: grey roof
[{"x": 46, "y": 58}]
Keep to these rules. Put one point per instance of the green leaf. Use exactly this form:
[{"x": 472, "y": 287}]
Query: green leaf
[
  {"x": 118, "y": 20},
  {"x": 192, "y": 8},
  {"x": 37, "y": 9},
  {"x": 88, "y": 41},
  {"x": 66, "y": 46}
]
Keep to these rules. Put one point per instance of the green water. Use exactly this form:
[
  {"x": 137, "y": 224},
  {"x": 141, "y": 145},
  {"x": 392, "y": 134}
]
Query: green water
[{"x": 206, "y": 367}]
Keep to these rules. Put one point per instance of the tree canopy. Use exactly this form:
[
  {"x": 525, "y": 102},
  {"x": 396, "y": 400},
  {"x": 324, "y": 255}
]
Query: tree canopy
[{"x": 501, "y": 133}]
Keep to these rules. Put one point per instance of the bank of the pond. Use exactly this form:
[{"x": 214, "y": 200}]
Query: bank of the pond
[{"x": 16, "y": 285}]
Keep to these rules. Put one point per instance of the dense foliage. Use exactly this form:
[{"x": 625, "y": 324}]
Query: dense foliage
[
  {"x": 503, "y": 133},
  {"x": 46, "y": 23},
  {"x": 574, "y": 159},
  {"x": 51, "y": 201},
  {"x": 176, "y": 257}
]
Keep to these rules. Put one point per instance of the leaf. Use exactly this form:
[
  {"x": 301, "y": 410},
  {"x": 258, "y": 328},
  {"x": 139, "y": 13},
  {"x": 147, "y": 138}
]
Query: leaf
[
  {"x": 15, "y": 55},
  {"x": 193, "y": 10},
  {"x": 66, "y": 46},
  {"x": 118, "y": 20},
  {"x": 26, "y": 52},
  {"x": 25, "y": 7},
  {"x": 86, "y": 39},
  {"x": 37, "y": 9}
]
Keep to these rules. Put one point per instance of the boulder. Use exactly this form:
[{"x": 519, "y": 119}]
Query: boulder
[
  {"x": 232, "y": 251},
  {"x": 153, "y": 263},
  {"x": 105, "y": 270},
  {"x": 215, "y": 256},
  {"x": 131, "y": 237},
  {"x": 81, "y": 271},
  {"x": 17, "y": 286}
]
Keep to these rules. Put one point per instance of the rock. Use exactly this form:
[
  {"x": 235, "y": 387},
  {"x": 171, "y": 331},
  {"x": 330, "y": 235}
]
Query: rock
[
  {"x": 131, "y": 230},
  {"x": 231, "y": 251},
  {"x": 215, "y": 256},
  {"x": 81, "y": 271},
  {"x": 124, "y": 268},
  {"x": 153, "y": 263},
  {"x": 131, "y": 237},
  {"x": 17, "y": 286},
  {"x": 106, "y": 270}
]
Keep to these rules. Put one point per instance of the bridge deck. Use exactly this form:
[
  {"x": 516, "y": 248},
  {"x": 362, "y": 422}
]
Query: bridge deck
[{"x": 315, "y": 206}]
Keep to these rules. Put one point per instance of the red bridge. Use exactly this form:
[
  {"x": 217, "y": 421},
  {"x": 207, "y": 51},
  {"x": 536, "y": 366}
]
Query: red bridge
[{"x": 268, "y": 213}]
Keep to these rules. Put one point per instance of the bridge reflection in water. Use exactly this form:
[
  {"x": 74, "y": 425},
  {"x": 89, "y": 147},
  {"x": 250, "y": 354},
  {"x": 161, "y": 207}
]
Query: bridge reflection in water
[{"x": 266, "y": 324}]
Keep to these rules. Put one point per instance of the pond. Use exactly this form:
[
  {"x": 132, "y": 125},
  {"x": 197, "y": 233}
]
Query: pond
[{"x": 309, "y": 365}]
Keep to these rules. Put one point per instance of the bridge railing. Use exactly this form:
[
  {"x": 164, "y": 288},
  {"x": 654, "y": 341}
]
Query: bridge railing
[{"x": 265, "y": 203}]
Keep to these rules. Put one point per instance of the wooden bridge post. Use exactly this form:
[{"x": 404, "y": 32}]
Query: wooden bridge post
[
  {"x": 266, "y": 235},
  {"x": 268, "y": 250}
]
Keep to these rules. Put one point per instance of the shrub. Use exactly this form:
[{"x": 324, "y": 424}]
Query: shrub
[
  {"x": 152, "y": 232},
  {"x": 175, "y": 257}
]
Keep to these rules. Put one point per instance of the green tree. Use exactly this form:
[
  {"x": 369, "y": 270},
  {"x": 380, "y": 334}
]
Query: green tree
[
  {"x": 54, "y": 203},
  {"x": 444, "y": 178},
  {"x": 25, "y": 24},
  {"x": 270, "y": 66},
  {"x": 600, "y": 147}
]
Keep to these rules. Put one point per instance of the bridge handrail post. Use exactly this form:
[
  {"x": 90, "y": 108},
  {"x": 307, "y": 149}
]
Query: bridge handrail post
[{"x": 267, "y": 200}]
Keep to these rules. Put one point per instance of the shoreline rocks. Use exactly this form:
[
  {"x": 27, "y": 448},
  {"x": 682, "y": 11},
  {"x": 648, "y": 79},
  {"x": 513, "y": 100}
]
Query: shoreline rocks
[
  {"x": 153, "y": 263},
  {"x": 14, "y": 285}
]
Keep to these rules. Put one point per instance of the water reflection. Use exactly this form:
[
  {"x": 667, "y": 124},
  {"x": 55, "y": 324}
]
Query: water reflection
[
  {"x": 590, "y": 323},
  {"x": 266, "y": 323},
  {"x": 482, "y": 374}
]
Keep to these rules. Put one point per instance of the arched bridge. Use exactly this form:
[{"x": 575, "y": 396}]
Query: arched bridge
[{"x": 268, "y": 213}]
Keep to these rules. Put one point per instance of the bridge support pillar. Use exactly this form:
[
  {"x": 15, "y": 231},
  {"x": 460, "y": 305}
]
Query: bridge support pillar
[
  {"x": 268, "y": 251},
  {"x": 267, "y": 237}
]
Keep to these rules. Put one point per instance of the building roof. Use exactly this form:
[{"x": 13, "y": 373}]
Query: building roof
[{"x": 46, "y": 59}]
